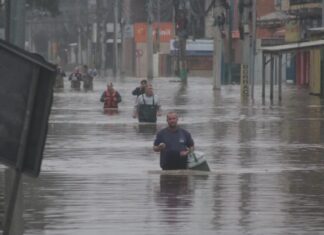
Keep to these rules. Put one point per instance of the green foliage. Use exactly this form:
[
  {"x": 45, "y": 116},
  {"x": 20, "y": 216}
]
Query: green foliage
[{"x": 51, "y": 6}]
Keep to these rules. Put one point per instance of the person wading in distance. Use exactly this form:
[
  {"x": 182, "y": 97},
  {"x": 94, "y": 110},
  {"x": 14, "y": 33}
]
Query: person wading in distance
[
  {"x": 141, "y": 89},
  {"x": 147, "y": 106},
  {"x": 110, "y": 97}
]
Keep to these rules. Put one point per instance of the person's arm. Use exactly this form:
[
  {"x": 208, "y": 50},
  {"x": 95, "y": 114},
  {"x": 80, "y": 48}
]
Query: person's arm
[
  {"x": 189, "y": 150},
  {"x": 102, "y": 98},
  {"x": 158, "y": 145},
  {"x": 136, "y": 91},
  {"x": 119, "y": 99},
  {"x": 189, "y": 144},
  {"x": 159, "y": 148}
]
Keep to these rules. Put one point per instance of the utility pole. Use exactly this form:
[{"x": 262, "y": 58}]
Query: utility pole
[
  {"x": 218, "y": 46},
  {"x": 122, "y": 39},
  {"x": 322, "y": 50},
  {"x": 97, "y": 36},
  {"x": 245, "y": 76},
  {"x": 158, "y": 26},
  {"x": 230, "y": 42},
  {"x": 322, "y": 13},
  {"x": 103, "y": 37},
  {"x": 79, "y": 44},
  {"x": 253, "y": 49},
  {"x": 181, "y": 9},
  {"x": 115, "y": 59},
  {"x": 183, "y": 72},
  {"x": 126, "y": 64},
  {"x": 79, "y": 33},
  {"x": 149, "y": 40},
  {"x": 88, "y": 37}
]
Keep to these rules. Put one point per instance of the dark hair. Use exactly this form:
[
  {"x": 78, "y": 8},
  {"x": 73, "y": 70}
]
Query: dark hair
[{"x": 144, "y": 82}]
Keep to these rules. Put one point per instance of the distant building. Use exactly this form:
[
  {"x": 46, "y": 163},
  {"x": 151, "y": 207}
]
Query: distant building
[
  {"x": 164, "y": 60},
  {"x": 308, "y": 14}
]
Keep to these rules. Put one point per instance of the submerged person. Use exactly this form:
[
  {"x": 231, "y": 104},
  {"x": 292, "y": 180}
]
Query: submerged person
[
  {"x": 174, "y": 144},
  {"x": 75, "y": 79},
  {"x": 147, "y": 106},
  {"x": 141, "y": 89},
  {"x": 110, "y": 97},
  {"x": 87, "y": 79},
  {"x": 59, "y": 80}
]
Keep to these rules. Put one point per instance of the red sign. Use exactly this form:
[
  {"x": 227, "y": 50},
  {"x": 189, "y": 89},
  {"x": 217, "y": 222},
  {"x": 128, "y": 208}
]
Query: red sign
[
  {"x": 140, "y": 31},
  {"x": 235, "y": 34}
]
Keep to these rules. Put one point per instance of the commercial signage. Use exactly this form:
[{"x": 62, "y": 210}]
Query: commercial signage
[
  {"x": 194, "y": 47},
  {"x": 292, "y": 33},
  {"x": 244, "y": 80},
  {"x": 140, "y": 32}
]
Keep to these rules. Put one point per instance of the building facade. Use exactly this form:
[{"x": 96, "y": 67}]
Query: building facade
[{"x": 308, "y": 14}]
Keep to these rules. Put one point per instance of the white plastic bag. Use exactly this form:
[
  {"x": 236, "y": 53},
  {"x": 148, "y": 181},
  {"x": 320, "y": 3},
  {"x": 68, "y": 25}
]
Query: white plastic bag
[{"x": 197, "y": 161}]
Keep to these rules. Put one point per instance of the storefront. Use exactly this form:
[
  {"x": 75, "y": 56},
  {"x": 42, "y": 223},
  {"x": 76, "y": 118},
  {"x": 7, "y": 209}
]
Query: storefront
[{"x": 199, "y": 56}]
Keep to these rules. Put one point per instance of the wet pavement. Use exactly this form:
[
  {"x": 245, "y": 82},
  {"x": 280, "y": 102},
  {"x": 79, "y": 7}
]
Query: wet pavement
[{"x": 100, "y": 175}]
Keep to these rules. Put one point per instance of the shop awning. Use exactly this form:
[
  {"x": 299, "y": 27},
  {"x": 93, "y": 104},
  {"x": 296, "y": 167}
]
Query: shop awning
[{"x": 280, "y": 49}]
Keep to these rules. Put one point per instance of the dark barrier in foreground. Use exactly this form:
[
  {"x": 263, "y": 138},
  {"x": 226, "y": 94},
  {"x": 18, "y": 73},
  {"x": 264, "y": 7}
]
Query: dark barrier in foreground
[{"x": 26, "y": 90}]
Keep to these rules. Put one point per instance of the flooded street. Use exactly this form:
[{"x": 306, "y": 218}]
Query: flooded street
[{"x": 100, "y": 175}]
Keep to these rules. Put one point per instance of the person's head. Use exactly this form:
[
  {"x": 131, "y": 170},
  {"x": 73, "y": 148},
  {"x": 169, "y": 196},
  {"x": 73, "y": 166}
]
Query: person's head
[
  {"x": 149, "y": 90},
  {"x": 143, "y": 83},
  {"x": 110, "y": 87},
  {"x": 172, "y": 119}
]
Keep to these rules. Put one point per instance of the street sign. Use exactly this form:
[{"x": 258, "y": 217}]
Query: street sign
[
  {"x": 244, "y": 80},
  {"x": 26, "y": 90}
]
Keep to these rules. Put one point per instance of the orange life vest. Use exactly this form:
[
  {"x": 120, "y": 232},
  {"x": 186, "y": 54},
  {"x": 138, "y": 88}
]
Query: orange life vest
[{"x": 110, "y": 102}]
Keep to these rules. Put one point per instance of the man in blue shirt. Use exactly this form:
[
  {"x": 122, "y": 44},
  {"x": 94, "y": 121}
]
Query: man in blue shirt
[{"x": 174, "y": 144}]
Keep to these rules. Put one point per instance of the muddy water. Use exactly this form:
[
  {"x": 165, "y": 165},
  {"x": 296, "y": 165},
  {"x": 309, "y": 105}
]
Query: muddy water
[{"x": 100, "y": 175}]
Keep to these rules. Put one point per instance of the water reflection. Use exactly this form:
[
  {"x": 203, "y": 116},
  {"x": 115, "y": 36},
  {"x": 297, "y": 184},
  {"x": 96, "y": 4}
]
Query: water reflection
[
  {"x": 147, "y": 129},
  {"x": 174, "y": 196},
  {"x": 181, "y": 97},
  {"x": 110, "y": 112},
  {"x": 246, "y": 200},
  {"x": 304, "y": 202}
]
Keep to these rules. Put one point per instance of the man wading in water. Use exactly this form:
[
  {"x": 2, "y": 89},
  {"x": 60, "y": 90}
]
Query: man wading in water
[
  {"x": 174, "y": 144},
  {"x": 147, "y": 106},
  {"x": 111, "y": 98},
  {"x": 141, "y": 89}
]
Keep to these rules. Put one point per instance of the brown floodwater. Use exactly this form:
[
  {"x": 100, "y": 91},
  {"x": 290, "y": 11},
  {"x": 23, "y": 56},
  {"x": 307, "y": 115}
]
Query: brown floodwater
[{"x": 100, "y": 175}]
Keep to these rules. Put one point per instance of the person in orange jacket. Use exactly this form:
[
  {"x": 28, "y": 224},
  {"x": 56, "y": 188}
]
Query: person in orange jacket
[{"x": 110, "y": 97}]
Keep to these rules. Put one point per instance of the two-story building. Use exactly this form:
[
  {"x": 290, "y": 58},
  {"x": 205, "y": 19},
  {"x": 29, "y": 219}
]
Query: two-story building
[{"x": 308, "y": 14}]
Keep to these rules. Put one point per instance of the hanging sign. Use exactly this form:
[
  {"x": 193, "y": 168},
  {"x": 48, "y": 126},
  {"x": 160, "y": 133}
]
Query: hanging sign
[{"x": 244, "y": 80}]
